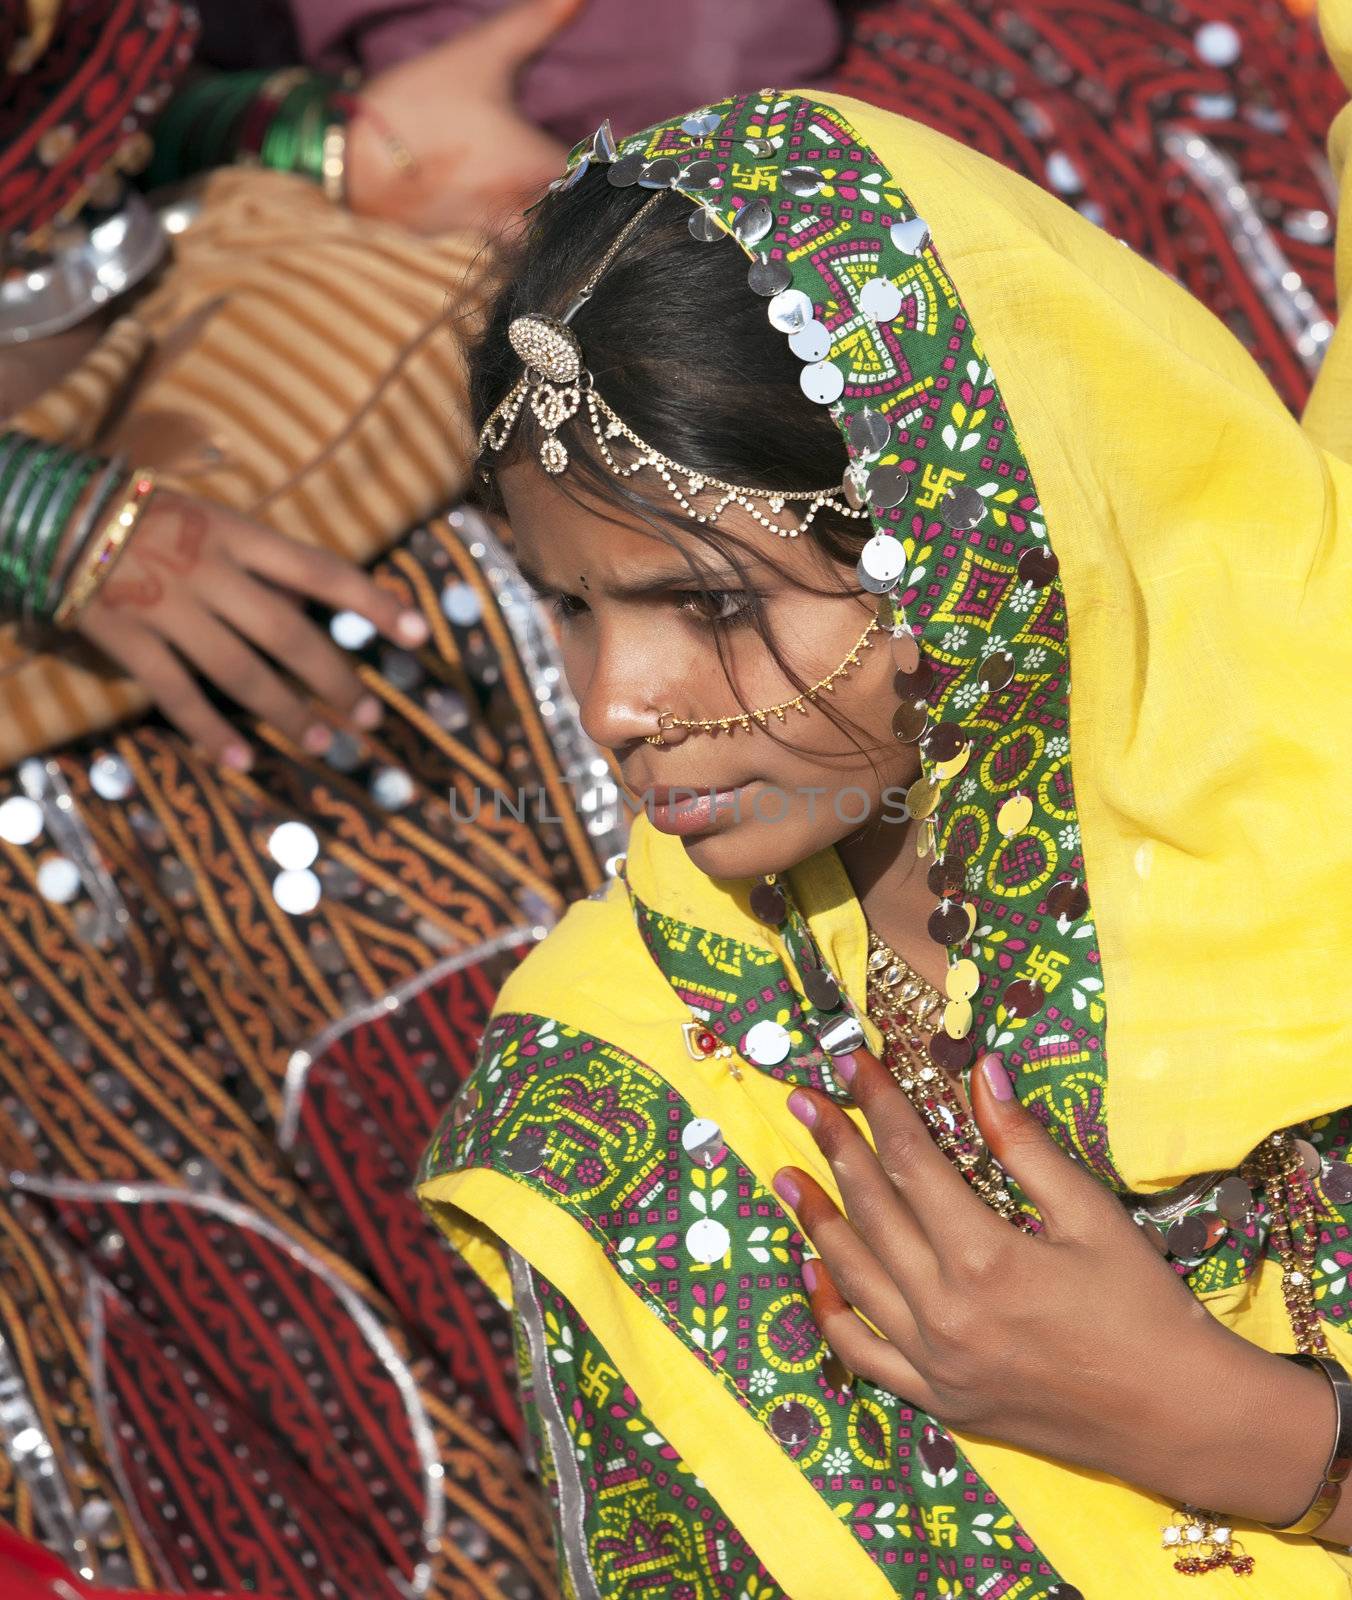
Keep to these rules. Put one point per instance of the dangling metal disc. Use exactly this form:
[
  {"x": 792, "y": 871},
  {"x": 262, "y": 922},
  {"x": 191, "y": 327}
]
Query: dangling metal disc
[
  {"x": 915, "y": 683},
  {"x": 705, "y": 227},
  {"x": 821, "y": 988},
  {"x": 624, "y": 173},
  {"x": 811, "y": 342},
  {"x": 964, "y": 507},
  {"x": 882, "y": 561},
  {"x": 1038, "y": 565},
  {"x": 887, "y": 487},
  {"x": 905, "y": 650},
  {"x": 768, "y": 903},
  {"x": 702, "y": 124},
  {"x": 659, "y": 174},
  {"x": 909, "y": 721},
  {"x": 869, "y": 432},
  {"x": 570, "y": 180},
  {"x": 880, "y": 300},
  {"x": 698, "y": 175},
  {"x": 769, "y": 278},
  {"x": 801, "y": 181},
  {"x": 911, "y": 237},
  {"x": 996, "y": 671},
  {"x": 822, "y": 382},
  {"x": 603, "y": 146},
  {"x": 789, "y": 310},
  {"x": 753, "y": 222}
]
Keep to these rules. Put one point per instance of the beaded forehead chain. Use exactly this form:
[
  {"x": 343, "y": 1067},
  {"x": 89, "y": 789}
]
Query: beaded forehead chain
[{"x": 557, "y": 383}]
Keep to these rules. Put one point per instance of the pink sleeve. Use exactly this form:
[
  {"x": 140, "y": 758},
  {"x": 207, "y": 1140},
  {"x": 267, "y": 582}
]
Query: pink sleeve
[{"x": 606, "y": 64}]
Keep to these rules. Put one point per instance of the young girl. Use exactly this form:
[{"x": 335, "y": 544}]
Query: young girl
[{"x": 842, "y": 453}]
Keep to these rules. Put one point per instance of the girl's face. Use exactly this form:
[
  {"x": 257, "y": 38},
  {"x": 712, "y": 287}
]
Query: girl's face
[{"x": 637, "y": 640}]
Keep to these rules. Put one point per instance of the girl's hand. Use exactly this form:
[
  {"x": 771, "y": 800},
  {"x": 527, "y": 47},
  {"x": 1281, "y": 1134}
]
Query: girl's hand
[
  {"x": 202, "y": 592},
  {"x": 475, "y": 155},
  {"x": 1078, "y": 1342}
]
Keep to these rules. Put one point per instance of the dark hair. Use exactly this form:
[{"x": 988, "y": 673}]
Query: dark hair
[{"x": 682, "y": 349}]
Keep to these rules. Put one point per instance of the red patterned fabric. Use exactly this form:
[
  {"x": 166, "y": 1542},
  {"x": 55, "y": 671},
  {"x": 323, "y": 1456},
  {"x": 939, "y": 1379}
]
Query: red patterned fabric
[
  {"x": 31, "y": 1573},
  {"x": 81, "y": 109},
  {"x": 1084, "y": 97}
]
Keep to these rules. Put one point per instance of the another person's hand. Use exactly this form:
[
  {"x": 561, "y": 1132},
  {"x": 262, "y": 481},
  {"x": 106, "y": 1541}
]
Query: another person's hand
[
  {"x": 203, "y": 593},
  {"x": 1078, "y": 1342},
  {"x": 475, "y": 157}
]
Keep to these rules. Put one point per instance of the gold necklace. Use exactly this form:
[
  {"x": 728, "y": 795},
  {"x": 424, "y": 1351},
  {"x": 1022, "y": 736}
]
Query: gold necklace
[
  {"x": 1278, "y": 1168},
  {"x": 909, "y": 1011}
]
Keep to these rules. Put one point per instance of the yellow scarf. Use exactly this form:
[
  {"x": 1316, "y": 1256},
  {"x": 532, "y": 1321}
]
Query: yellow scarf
[{"x": 1207, "y": 578}]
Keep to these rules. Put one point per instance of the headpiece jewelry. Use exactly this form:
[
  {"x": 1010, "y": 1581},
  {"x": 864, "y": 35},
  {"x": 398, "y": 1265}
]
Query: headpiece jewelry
[{"x": 557, "y": 383}]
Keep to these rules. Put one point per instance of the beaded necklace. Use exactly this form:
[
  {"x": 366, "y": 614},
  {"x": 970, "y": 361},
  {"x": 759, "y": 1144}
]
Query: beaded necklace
[{"x": 909, "y": 1013}]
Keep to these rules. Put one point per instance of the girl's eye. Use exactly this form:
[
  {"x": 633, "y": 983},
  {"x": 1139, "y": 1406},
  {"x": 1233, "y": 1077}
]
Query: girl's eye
[
  {"x": 718, "y": 605},
  {"x": 569, "y": 606}
]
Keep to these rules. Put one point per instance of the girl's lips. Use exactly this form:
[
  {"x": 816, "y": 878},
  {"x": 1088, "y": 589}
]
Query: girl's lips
[{"x": 681, "y": 811}]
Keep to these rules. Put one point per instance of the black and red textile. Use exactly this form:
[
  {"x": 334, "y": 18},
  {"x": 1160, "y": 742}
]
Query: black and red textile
[
  {"x": 78, "y": 111},
  {"x": 1192, "y": 129},
  {"x": 233, "y": 1353}
]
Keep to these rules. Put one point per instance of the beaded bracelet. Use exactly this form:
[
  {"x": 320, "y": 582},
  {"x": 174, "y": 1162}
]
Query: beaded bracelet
[{"x": 96, "y": 567}]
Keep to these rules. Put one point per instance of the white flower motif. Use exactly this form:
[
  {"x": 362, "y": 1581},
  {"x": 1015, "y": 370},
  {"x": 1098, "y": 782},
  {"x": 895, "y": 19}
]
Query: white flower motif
[
  {"x": 967, "y": 788},
  {"x": 955, "y": 638},
  {"x": 1036, "y": 656},
  {"x": 1070, "y": 836},
  {"x": 762, "y": 1382},
  {"x": 967, "y": 695},
  {"x": 1057, "y": 746},
  {"x": 1022, "y": 597},
  {"x": 997, "y": 641},
  {"x": 837, "y": 1463}
]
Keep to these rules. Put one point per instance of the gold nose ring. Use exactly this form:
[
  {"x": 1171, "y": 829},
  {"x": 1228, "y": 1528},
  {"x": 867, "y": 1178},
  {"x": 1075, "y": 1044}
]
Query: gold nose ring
[{"x": 664, "y": 721}]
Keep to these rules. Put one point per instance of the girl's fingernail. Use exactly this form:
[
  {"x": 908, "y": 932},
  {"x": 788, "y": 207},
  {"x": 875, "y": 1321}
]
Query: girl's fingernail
[
  {"x": 238, "y": 757},
  {"x": 998, "y": 1080},
  {"x": 316, "y": 739},
  {"x": 810, "y": 1275},
  {"x": 803, "y": 1109},
  {"x": 846, "y": 1066},
  {"x": 786, "y": 1187},
  {"x": 411, "y": 628},
  {"x": 367, "y": 712}
]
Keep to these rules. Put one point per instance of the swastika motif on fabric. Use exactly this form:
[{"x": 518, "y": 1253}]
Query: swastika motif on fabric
[{"x": 712, "y": 1253}]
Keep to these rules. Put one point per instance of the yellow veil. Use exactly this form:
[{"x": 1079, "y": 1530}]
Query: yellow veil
[{"x": 1206, "y": 558}]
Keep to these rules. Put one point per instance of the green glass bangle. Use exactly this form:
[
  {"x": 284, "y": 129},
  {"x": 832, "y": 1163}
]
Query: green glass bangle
[
  {"x": 43, "y": 491},
  {"x": 31, "y": 468},
  {"x": 294, "y": 139},
  {"x": 194, "y": 131},
  {"x": 12, "y": 448},
  {"x": 220, "y": 127},
  {"x": 24, "y": 448},
  {"x": 52, "y": 529},
  {"x": 91, "y": 520},
  {"x": 278, "y": 148},
  {"x": 172, "y": 134}
]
